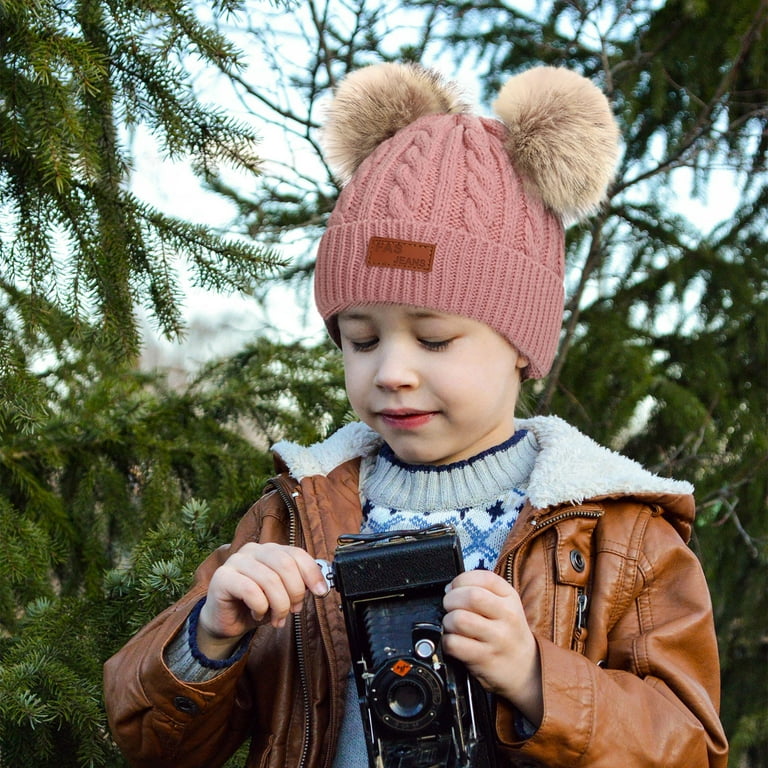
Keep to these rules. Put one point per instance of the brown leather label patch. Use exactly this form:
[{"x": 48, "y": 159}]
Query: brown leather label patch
[{"x": 400, "y": 254}]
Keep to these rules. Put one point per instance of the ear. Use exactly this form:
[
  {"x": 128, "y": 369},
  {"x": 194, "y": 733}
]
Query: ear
[{"x": 522, "y": 361}]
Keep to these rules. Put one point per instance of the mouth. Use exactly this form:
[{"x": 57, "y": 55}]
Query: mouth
[{"x": 406, "y": 419}]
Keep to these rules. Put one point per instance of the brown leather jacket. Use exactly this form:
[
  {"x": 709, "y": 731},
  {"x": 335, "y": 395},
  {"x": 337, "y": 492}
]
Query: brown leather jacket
[{"x": 636, "y": 685}]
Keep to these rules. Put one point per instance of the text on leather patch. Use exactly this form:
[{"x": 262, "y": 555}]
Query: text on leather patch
[{"x": 401, "y": 254}]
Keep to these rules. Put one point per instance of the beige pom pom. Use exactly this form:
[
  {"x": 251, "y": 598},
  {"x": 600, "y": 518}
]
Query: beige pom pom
[
  {"x": 562, "y": 138},
  {"x": 373, "y": 103}
]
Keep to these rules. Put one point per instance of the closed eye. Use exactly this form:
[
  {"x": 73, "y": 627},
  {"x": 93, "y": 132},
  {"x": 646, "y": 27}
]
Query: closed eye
[
  {"x": 435, "y": 346},
  {"x": 363, "y": 346}
]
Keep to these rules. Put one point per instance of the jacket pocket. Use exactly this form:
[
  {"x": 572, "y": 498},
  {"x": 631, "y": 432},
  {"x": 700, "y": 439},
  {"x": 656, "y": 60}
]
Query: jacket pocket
[{"x": 573, "y": 574}]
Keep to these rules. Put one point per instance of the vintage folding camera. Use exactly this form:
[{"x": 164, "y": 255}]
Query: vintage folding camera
[{"x": 420, "y": 708}]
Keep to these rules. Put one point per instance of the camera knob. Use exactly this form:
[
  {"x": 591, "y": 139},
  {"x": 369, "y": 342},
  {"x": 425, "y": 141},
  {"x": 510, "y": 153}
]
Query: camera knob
[
  {"x": 424, "y": 648},
  {"x": 326, "y": 569}
]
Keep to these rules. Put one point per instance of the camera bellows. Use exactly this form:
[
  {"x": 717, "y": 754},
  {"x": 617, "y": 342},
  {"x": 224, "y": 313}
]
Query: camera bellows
[{"x": 390, "y": 624}]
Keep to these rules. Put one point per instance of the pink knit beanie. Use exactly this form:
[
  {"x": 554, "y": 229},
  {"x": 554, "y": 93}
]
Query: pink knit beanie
[{"x": 458, "y": 213}]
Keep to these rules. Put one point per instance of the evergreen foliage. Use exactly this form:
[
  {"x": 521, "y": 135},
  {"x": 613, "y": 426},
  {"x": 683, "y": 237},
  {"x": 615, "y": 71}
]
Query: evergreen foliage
[
  {"x": 110, "y": 504},
  {"x": 76, "y": 79},
  {"x": 51, "y": 710}
]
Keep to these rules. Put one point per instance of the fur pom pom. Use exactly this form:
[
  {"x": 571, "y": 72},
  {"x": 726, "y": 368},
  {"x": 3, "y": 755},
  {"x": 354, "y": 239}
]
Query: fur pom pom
[
  {"x": 373, "y": 103},
  {"x": 562, "y": 138}
]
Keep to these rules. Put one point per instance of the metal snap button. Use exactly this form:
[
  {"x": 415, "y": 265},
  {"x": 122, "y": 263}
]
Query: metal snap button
[
  {"x": 185, "y": 705},
  {"x": 577, "y": 561}
]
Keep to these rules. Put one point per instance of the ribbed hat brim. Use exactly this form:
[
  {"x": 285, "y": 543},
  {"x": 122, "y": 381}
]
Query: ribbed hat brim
[{"x": 500, "y": 285}]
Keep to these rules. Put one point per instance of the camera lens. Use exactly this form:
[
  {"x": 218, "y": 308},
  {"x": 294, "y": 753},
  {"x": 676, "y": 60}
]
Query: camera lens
[{"x": 406, "y": 698}]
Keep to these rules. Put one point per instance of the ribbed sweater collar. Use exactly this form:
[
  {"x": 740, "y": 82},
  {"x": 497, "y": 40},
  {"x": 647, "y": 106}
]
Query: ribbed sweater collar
[{"x": 388, "y": 482}]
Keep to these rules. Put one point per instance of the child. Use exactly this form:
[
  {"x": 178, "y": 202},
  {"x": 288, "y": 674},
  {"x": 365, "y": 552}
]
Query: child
[{"x": 582, "y": 612}]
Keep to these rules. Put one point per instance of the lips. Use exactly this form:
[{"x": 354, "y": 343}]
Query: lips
[{"x": 402, "y": 419}]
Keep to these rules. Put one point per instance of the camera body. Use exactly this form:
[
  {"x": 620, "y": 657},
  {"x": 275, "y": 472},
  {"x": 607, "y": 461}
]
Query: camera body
[{"x": 419, "y": 708}]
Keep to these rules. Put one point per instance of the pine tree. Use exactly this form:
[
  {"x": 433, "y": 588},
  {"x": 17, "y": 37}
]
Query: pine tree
[
  {"x": 110, "y": 504},
  {"x": 75, "y": 78},
  {"x": 97, "y": 458}
]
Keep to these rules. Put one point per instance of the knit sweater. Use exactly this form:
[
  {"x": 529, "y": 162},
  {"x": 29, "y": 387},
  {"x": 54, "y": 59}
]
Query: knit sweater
[{"x": 479, "y": 497}]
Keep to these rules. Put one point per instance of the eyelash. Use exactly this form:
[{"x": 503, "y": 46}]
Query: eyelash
[
  {"x": 362, "y": 346},
  {"x": 435, "y": 346},
  {"x": 432, "y": 346}
]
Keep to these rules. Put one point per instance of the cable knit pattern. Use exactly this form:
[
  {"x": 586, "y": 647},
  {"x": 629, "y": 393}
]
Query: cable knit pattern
[{"x": 478, "y": 205}]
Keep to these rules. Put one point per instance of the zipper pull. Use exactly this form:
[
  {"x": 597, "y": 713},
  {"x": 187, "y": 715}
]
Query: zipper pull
[{"x": 581, "y": 610}]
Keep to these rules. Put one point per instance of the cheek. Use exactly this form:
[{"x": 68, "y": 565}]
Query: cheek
[
  {"x": 355, "y": 379},
  {"x": 484, "y": 381},
  {"x": 461, "y": 380}
]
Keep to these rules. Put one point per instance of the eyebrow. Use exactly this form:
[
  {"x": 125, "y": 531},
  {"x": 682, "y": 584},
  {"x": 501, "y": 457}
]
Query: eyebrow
[{"x": 346, "y": 315}]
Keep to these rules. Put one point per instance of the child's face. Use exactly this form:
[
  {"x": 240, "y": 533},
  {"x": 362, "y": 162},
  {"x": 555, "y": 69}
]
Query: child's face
[{"x": 438, "y": 388}]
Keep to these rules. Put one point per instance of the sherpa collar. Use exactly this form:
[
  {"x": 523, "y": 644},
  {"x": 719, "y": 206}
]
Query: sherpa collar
[{"x": 570, "y": 468}]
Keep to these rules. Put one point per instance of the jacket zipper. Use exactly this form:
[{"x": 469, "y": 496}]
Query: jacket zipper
[
  {"x": 537, "y": 526},
  {"x": 290, "y": 504},
  {"x": 581, "y": 609}
]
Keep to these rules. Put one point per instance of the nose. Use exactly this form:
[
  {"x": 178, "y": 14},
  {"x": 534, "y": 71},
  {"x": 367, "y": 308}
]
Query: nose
[{"x": 394, "y": 369}]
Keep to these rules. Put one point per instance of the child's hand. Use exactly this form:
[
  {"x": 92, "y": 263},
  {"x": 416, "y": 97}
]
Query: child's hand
[
  {"x": 258, "y": 582},
  {"x": 485, "y": 627}
]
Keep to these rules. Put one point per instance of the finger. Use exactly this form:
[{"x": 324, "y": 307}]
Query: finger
[
  {"x": 466, "y": 649},
  {"x": 476, "y": 600},
  {"x": 234, "y": 604},
  {"x": 284, "y": 592},
  {"x": 296, "y": 565},
  {"x": 311, "y": 573},
  {"x": 253, "y": 587},
  {"x": 283, "y": 574},
  {"x": 482, "y": 578},
  {"x": 261, "y": 589},
  {"x": 468, "y": 624}
]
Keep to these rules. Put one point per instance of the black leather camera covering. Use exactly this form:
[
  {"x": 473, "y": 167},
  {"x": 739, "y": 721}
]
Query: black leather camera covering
[{"x": 424, "y": 563}]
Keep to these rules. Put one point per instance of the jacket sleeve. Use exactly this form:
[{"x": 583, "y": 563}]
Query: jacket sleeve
[
  {"x": 158, "y": 720},
  {"x": 652, "y": 702}
]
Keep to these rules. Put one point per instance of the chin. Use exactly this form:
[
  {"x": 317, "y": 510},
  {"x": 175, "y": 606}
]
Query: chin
[{"x": 419, "y": 457}]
